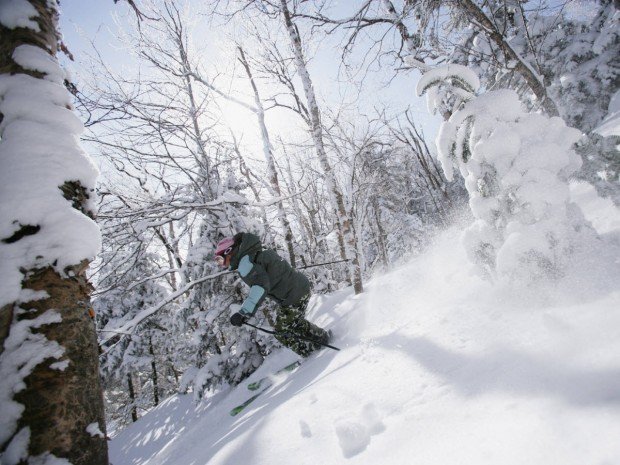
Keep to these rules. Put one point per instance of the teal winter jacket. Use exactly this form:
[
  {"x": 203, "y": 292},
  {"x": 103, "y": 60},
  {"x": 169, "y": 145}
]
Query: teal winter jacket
[{"x": 267, "y": 274}]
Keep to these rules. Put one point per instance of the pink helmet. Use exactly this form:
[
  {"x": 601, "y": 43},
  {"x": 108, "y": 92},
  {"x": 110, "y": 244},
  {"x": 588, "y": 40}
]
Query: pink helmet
[{"x": 224, "y": 247}]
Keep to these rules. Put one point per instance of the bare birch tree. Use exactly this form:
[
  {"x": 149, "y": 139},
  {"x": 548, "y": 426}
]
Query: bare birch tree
[
  {"x": 335, "y": 195},
  {"x": 269, "y": 158}
]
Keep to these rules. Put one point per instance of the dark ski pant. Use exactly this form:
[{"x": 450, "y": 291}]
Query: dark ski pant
[{"x": 291, "y": 321}]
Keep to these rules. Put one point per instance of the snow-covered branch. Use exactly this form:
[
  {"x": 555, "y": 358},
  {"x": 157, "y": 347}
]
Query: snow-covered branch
[{"x": 129, "y": 326}]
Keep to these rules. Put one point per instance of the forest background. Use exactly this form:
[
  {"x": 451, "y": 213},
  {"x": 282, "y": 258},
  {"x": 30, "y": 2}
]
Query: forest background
[
  {"x": 200, "y": 120},
  {"x": 300, "y": 121}
]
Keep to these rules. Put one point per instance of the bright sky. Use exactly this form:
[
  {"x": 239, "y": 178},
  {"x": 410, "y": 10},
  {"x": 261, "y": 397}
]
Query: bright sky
[{"x": 81, "y": 24}]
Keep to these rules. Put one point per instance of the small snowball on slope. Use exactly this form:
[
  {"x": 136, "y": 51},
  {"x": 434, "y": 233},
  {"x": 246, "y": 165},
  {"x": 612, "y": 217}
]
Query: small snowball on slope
[
  {"x": 372, "y": 419},
  {"x": 305, "y": 429},
  {"x": 353, "y": 437}
]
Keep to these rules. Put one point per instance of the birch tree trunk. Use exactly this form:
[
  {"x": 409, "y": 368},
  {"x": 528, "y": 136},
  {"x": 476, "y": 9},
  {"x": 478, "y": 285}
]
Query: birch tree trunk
[
  {"x": 48, "y": 344},
  {"x": 271, "y": 166},
  {"x": 335, "y": 195},
  {"x": 381, "y": 233}
]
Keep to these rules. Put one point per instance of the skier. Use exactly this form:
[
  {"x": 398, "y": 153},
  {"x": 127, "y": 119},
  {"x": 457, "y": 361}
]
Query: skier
[{"x": 268, "y": 275}]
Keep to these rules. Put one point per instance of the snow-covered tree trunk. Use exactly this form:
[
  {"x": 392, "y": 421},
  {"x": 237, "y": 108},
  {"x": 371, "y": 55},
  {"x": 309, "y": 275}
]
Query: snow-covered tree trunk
[
  {"x": 50, "y": 393},
  {"x": 335, "y": 195}
]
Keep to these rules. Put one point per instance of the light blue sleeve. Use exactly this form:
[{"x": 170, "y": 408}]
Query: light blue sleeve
[
  {"x": 245, "y": 266},
  {"x": 253, "y": 298}
]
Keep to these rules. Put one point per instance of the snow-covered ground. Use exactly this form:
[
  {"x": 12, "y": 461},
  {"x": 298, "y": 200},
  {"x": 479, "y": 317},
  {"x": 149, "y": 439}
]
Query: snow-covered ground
[{"x": 436, "y": 367}]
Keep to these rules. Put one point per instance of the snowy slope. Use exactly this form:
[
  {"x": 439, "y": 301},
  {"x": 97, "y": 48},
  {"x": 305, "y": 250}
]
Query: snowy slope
[{"x": 436, "y": 367}]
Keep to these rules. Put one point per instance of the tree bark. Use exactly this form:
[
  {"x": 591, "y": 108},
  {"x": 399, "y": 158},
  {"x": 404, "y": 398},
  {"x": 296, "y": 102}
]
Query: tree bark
[
  {"x": 132, "y": 398},
  {"x": 154, "y": 376},
  {"x": 60, "y": 405},
  {"x": 62, "y": 395}
]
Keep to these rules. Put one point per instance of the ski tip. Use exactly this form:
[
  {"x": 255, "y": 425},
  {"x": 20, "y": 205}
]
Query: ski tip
[{"x": 254, "y": 386}]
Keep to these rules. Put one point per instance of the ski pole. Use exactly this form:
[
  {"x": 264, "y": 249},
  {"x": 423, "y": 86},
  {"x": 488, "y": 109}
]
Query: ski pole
[
  {"x": 298, "y": 336},
  {"x": 321, "y": 264},
  {"x": 299, "y": 267}
]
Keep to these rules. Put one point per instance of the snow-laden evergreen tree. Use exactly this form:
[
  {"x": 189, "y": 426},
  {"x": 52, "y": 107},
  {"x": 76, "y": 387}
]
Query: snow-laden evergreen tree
[
  {"x": 128, "y": 361},
  {"x": 583, "y": 65},
  {"x": 575, "y": 52},
  {"x": 516, "y": 167}
]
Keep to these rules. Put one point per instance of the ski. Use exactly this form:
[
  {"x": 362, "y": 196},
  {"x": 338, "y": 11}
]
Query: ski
[
  {"x": 240, "y": 407},
  {"x": 257, "y": 384},
  {"x": 265, "y": 383}
]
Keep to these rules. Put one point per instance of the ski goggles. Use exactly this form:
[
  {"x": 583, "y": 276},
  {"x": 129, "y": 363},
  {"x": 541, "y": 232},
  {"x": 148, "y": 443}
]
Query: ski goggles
[{"x": 221, "y": 258}]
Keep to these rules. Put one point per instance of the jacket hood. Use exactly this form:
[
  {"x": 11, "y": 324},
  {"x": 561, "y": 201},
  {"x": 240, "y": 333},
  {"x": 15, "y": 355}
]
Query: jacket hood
[{"x": 250, "y": 243}]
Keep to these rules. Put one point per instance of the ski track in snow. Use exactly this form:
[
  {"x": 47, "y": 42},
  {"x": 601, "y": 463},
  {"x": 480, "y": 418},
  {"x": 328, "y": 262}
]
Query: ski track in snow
[{"x": 436, "y": 367}]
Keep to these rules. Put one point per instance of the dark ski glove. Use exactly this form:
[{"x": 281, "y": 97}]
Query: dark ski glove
[{"x": 237, "y": 319}]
